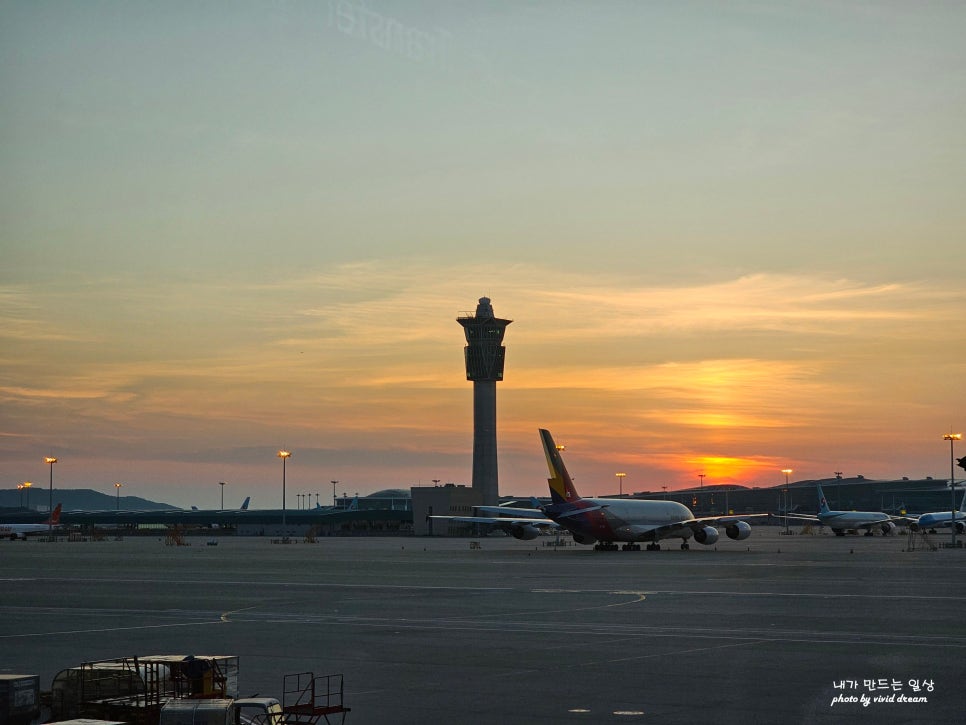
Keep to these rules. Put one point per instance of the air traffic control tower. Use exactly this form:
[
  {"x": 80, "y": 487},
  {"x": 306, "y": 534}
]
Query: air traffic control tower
[{"x": 484, "y": 354}]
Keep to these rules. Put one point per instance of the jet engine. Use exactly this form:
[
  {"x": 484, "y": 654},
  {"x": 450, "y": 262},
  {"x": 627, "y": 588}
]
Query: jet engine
[
  {"x": 888, "y": 528},
  {"x": 524, "y": 531},
  {"x": 584, "y": 539},
  {"x": 738, "y": 530},
  {"x": 707, "y": 536},
  {"x": 960, "y": 527}
]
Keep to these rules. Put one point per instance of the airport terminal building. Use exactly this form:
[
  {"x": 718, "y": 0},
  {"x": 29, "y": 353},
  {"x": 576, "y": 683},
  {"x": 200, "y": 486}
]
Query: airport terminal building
[{"x": 402, "y": 512}]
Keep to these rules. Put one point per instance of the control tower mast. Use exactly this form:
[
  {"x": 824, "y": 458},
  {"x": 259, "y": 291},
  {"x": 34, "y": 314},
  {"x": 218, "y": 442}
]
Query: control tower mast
[{"x": 484, "y": 354}]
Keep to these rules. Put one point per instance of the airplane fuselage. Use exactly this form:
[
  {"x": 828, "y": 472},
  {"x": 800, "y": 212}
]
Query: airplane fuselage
[
  {"x": 842, "y": 521},
  {"x": 20, "y": 531},
  {"x": 941, "y": 519},
  {"x": 630, "y": 520},
  {"x": 851, "y": 519}
]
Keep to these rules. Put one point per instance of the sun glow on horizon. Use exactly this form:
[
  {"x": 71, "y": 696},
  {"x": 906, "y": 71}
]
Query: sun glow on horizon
[{"x": 727, "y": 469}]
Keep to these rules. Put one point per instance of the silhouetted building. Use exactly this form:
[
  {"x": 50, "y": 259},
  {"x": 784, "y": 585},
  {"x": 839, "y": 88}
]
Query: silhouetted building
[{"x": 448, "y": 500}]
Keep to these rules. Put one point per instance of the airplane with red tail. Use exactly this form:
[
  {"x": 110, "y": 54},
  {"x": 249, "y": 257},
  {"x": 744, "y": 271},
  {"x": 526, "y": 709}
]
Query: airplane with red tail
[{"x": 22, "y": 531}]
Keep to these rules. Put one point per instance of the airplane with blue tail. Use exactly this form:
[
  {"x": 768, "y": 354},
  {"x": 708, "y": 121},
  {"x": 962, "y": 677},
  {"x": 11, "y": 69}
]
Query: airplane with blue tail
[{"x": 842, "y": 522}]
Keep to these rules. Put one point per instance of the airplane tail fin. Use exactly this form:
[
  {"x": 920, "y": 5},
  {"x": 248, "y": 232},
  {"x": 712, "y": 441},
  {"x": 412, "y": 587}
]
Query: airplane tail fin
[
  {"x": 822, "y": 502},
  {"x": 561, "y": 486},
  {"x": 54, "y": 518},
  {"x": 244, "y": 506}
]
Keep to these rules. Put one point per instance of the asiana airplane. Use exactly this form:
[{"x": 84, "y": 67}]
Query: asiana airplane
[{"x": 605, "y": 522}]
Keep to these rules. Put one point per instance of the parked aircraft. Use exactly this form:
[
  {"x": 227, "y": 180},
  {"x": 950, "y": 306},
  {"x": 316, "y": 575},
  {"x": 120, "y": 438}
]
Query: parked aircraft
[
  {"x": 606, "y": 521},
  {"x": 243, "y": 507},
  {"x": 942, "y": 519},
  {"x": 22, "y": 531},
  {"x": 845, "y": 521}
]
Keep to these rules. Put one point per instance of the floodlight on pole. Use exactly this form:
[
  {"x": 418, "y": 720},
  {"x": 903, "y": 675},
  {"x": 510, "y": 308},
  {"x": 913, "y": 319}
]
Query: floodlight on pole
[
  {"x": 952, "y": 438},
  {"x": 284, "y": 455},
  {"x": 117, "y": 488},
  {"x": 620, "y": 480},
  {"x": 222, "y": 485},
  {"x": 786, "y": 471},
  {"x": 50, "y": 460}
]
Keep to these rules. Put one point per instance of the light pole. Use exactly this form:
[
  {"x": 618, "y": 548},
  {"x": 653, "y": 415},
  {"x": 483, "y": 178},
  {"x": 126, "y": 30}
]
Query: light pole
[
  {"x": 117, "y": 487},
  {"x": 952, "y": 438},
  {"x": 620, "y": 481},
  {"x": 283, "y": 454},
  {"x": 26, "y": 486},
  {"x": 50, "y": 460},
  {"x": 786, "y": 471},
  {"x": 222, "y": 484},
  {"x": 334, "y": 483}
]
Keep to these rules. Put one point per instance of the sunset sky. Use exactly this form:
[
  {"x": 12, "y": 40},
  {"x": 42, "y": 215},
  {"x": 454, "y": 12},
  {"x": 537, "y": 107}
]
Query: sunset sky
[{"x": 730, "y": 236}]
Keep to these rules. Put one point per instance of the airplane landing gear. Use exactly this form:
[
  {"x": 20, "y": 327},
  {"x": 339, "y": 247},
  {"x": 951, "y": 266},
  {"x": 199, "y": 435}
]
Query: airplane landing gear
[{"x": 685, "y": 546}]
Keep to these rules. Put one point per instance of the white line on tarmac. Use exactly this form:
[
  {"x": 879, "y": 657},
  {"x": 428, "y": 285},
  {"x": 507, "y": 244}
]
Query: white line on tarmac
[
  {"x": 108, "y": 629},
  {"x": 416, "y": 587}
]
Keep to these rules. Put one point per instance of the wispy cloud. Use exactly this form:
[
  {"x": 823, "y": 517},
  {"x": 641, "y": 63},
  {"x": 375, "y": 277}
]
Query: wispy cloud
[{"x": 675, "y": 376}]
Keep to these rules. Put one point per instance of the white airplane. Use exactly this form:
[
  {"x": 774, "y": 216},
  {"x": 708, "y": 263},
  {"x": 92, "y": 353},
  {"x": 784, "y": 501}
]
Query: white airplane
[
  {"x": 21, "y": 531},
  {"x": 942, "y": 519},
  {"x": 243, "y": 507},
  {"x": 843, "y": 521},
  {"x": 606, "y": 521}
]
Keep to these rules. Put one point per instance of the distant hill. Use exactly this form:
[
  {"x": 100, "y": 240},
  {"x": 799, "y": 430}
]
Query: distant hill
[{"x": 79, "y": 499}]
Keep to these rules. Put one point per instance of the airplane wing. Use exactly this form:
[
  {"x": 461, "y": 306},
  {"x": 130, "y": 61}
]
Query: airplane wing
[
  {"x": 501, "y": 520},
  {"x": 885, "y": 519},
  {"x": 904, "y": 520},
  {"x": 797, "y": 517},
  {"x": 498, "y": 511},
  {"x": 738, "y": 529},
  {"x": 726, "y": 519},
  {"x": 525, "y": 528}
]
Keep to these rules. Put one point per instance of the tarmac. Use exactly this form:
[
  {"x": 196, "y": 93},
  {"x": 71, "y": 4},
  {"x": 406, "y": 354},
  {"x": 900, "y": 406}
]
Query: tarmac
[{"x": 776, "y": 628}]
